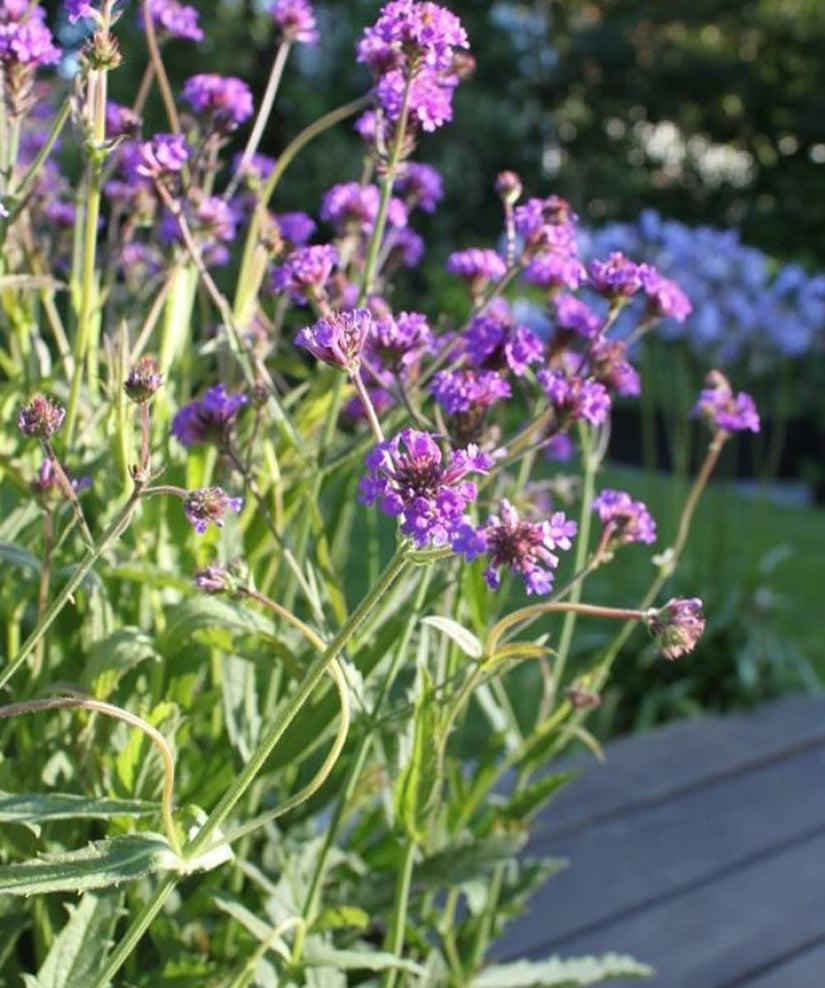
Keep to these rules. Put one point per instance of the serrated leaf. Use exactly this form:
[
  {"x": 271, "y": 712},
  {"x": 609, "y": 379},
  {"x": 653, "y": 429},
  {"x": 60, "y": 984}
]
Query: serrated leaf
[
  {"x": 101, "y": 864},
  {"x": 469, "y": 643},
  {"x": 214, "y": 621},
  {"x": 115, "y": 655},
  {"x": 557, "y": 973},
  {"x": 534, "y": 797},
  {"x": 33, "y": 809},
  {"x": 318, "y": 954},
  {"x": 78, "y": 953},
  {"x": 463, "y": 862}
]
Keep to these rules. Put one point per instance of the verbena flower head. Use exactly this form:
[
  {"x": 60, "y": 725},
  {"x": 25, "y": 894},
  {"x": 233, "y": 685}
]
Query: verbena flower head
[
  {"x": 338, "y": 339},
  {"x": 664, "y": 297},
  {"x": 409, "y": 478},
  {"x": 163, "y": 155},
  {"x": 574, "y": 397},
  {"x": 296, "y": 21},
  {"x": 616, "y": 278},
  {"x": 225, "y": 100},
  {"x": 430, "y": 99},
  {"x": 725, "y": 411},
  {"x": 548, "y": 223},
  {"x": 175, "y": 20},
  {"x": 608, "y": 363},
  {"x": 296, "y": 228},
  {"x": 351, "y": 206},
  {"x": 306, "y": 271},
  {"x": 556, "y": 268},
  {"x": 209, "y": 505},
  {"x": 628, "y": 520},
  {"x": 677, "y": 626},
  {"x": 215, "y": 580},
  {"x": 143, "y": 380},
  {"x": 410, "y": 34},
  {"x": 121, "y": 121},
  {"x": 576, "y": 316},
  {"x": 25, "y": 44},
  {"x": 509, "y": 186},
  {"x": 467, "y": 390},
  {"x": 478, "y": 266},
  {"x": 399, "y": 342},
  {"x": 208, "y": 419},
  {"x": 527, "y": 548},
  {"x": 420, "y": 185},
  {"x": 493, "y": 342},
  {"x": 41, "y": 418}
]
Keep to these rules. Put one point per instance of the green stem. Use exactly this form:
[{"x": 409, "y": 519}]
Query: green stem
[
  {"x": 394, "y": 943},
  {"x": 112, "y": 533},
  {"x": 160, "y": 69}
]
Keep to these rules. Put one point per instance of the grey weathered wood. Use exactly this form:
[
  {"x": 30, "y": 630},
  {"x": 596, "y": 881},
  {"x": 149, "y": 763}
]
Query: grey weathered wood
[
  {"x": 805, "y": 970},
  {"x": 651, "y": 854},
  {"x": 650, "y": 767},
  {"x": 700, "y": 848}
]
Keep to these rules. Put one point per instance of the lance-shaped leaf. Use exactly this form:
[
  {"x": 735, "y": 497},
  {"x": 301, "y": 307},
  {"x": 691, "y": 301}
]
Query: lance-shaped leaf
[
  {"x": 419, "y": 781},
  {"x": 469, "y": 644},
  {"x": 34, "y": 809},
  {"x": 558, "y": 973},
  {"x": 102, "y": 864},
  {"x": 78, "y": 953}
]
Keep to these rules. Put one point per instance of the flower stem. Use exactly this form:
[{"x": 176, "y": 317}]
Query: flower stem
[
  {"x": 394, "y": 943},
  {"x": 160, "y": 69},
  {"x": 369, "y": 408}
]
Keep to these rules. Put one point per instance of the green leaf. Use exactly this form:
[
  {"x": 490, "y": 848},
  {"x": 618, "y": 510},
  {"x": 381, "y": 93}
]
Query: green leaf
[
  {"x": 33, "y": 809},
  {"x": 18, "y": 556},
  {"x": 342, "y": 918},
  {"x": 419, "y": 781},
  {"x": 469, "y": 644},
  {"x": 113, "y": 656},
  {"x": 558, "y": 973},
  {"x": 78, "y": 953},
  {"x": 98, "y": 865},
  {"x": 318, "y": 954},
  {"x": 213, "y": 621},
  {"x": 525, "y": 803},
  {"x": 465, "y": 861}
]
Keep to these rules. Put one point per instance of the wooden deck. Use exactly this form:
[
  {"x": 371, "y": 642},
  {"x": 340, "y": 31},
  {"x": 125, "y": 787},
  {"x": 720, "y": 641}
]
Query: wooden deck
[{"x": 699, "y": 848}]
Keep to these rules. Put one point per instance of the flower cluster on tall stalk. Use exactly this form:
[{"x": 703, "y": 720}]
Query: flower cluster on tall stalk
[{"x": 306, "y": 426}]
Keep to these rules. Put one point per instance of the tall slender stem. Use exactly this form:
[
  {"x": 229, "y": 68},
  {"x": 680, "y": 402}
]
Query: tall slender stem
[
  {"x": 160, "y": 69},
  {"x": 394, "y": 943}
]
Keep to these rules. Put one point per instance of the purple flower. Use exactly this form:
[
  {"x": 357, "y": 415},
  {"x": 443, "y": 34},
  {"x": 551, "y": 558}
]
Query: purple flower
[
  {"x": 608, "y": 363},
  {"x": 677, "y": 626},
  {"x": 121, "y": 121},
  {"x": 338, "y": 339},
  {"x": 549, "y": 223},
  {"x": 214, "y": 580},
  {"x": 574, "y": 397},
  {"x": 408, "y": 478},
  {"x": 420, "y": 185},
  {"x": 47, "y": 487},
  {"x": 554, "y": 269},
  {"x": 78, "y": 10},
  {"x": 175, "y": 20},
  {"x": 576, "y": 316},
  {"x": 296, "y": 21},
  {"x": 493, "y": 342},
  {"x": 408, "y": 33},
  {"x": 296, "y": 228},
  {"x": 143, "y": 380},
  {"x": 430, "y": 100},
  {"x": 725, "y": 411},
  {"x": 382, "y": 402},
  {"x": 559, "y": 447},
  {"x": 25, "y": 41},
  {"x": 468, "y": 391},
  {"x": 664, "y": 296},
  {"x": 350, "y": 205},
  {"x": 209, "y": 505},
  {"x": 41, "y": 418},
  {"x": 399, "y": 342},
  {"x": 407, "y": 246},
  {"x": 617, "y": 277},
  {"x": 478, "y": 266},
  {"x": 208, "y": 419},
  {"x": 225, "y": 100},
  {"x": 627, "y": 520},
  {"x": 165, "y": 154},
  {"x": 525, "y": 547},
  {"x": 305, "y": 271}
]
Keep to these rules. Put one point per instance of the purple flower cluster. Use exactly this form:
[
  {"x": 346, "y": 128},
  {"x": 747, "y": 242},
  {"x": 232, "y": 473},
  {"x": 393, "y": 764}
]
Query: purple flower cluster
[
  {"x": 209, "y": 419},
  {"x": 41, "y": 418},
  {"x": 494, "y": 342},
  {"x": 409, "y": 478},
  {"x": 665, "y": 298},
  {"x": 725, "y": 411},
  {"x": 465, "y": 391},
  {"x": 296, "y": 228},
  {"x": 527, "y": 548},
  {"x": 163, "y": 155},
  {"x": 420, "y": 186},
  {"x": 397, "y": 343},
  {"x": 577, "y": 317},
  {"x": 623, "y": 519},
  {"x": 25, "y": 41},
  {"x": 225, "y": 100},
  {"x": 295, "y": 20},
  {"x": 574, "y": 397},
  {"x": 338, "y": 338},
  {"x": 616, "y": 278},
  {"x": 477, "y": 266},
  {"x": 175, "y": 20},
  {"x": 353, "y": 207},
  {"x": 209, "y": 505},
  {"x": 305, "y": 272},
  {"x": 677, "y": 626}
]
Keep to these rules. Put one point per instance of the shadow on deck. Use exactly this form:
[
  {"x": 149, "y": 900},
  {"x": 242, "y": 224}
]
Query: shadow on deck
[{"x": 699, "y": 848}]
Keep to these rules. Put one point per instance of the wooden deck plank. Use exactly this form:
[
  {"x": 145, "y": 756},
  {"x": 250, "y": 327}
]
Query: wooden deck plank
[
  {"x": 653, "y": 854},
  {"x": 721, "y": 934},
  {"x": 650, "y": 768},
  {"x": 806, "y": 970}
]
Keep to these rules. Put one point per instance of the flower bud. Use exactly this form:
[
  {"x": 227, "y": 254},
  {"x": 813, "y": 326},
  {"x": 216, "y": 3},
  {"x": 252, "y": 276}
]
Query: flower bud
[
  {"x": 509, "y": 186},
  {"x": 143, "y": 381},
  {"x": 41, "y": 418},
  {"x": 677, "y": 626}
]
